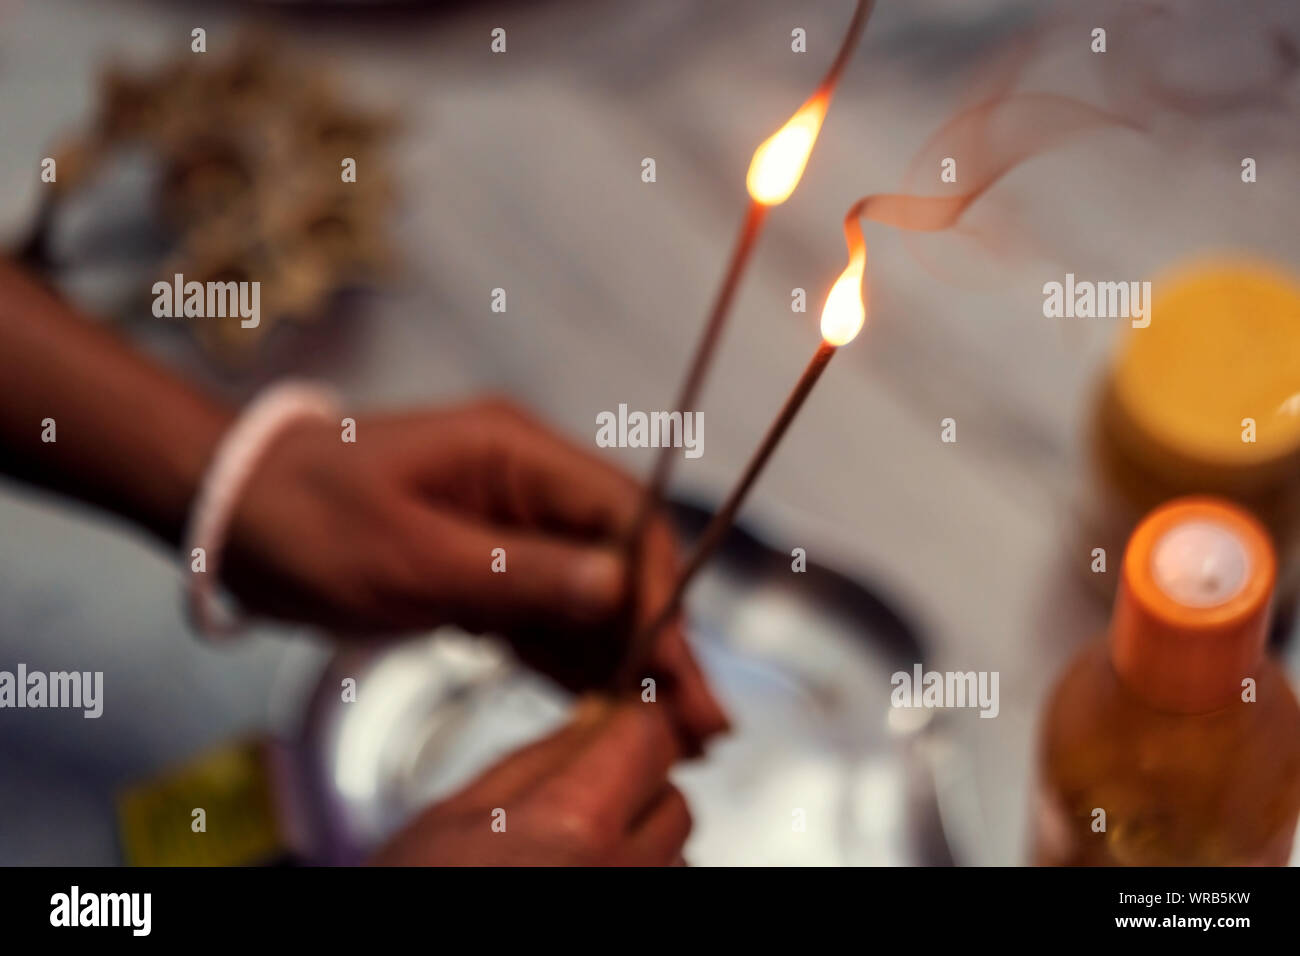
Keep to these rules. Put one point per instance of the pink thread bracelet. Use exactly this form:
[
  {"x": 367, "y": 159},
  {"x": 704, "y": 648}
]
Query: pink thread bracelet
[{"x": 236, "y": 458}]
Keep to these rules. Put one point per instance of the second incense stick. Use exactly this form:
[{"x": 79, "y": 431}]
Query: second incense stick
[
  {"x": 726, "y": 515},
  {"x": 842, "y": 319}
]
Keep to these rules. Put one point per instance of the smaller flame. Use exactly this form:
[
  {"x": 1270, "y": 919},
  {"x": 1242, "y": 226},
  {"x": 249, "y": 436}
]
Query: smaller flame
[
  {"x": 778, "y": 163},
  {"x": 845, "y": 310}
]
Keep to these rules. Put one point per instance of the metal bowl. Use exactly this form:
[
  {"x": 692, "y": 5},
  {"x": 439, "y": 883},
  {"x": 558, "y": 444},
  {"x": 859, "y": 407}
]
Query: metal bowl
[{"x": 801, "y": 660}]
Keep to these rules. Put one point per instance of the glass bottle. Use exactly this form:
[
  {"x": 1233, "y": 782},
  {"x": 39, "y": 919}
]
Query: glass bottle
[{"x": 1175, "y": 739}]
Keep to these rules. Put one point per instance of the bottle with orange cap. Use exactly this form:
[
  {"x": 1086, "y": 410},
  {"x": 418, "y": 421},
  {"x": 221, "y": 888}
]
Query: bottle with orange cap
[
  {"x": 1176, "y": 739},
  {"x": 1204, "y": 400}
]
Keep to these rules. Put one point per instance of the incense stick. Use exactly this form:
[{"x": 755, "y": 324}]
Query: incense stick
[
  {"x": 722, "y": 521},
  {"x": 774, "y": 173},
  {"x": 704, "y": 349}
]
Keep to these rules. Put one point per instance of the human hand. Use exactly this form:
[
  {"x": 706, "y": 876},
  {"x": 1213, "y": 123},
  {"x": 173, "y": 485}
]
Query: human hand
[
  {"x": 594, "y": 793},
  {"x": 397, "y": 532}
]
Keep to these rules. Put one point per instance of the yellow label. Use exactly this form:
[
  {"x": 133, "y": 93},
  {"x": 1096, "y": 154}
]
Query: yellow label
[{"x": 216, "y": 810}]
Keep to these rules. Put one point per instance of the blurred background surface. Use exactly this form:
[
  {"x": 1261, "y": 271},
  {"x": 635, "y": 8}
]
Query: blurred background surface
[{"x": 522, "y": 171}]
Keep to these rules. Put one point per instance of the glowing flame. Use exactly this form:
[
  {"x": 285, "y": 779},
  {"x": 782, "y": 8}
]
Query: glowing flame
[
  {"x": 845, "y": 310},
  {"x": 779, "y": 162}
]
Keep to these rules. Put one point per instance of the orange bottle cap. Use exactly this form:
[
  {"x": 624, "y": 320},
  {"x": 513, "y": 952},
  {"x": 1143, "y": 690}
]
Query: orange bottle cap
[{"x": 1191, "y": 617}]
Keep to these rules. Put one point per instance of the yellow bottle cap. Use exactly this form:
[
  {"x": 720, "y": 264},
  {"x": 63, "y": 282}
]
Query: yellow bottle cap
[{"x": 1223, "y": 346}]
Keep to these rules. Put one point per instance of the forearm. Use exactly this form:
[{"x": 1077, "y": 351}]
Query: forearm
[{"x": 129, "y": 436}]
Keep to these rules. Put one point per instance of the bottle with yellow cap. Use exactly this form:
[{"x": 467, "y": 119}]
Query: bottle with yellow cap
[
  {"x": 1175, "y": 740},
  {"x": 1205, "y": 400}
]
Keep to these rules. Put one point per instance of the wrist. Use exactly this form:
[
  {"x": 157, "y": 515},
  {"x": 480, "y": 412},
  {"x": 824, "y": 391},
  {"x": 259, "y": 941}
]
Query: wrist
[{"x": 182, "y": 459}]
